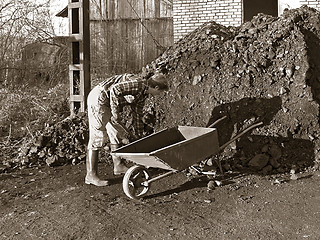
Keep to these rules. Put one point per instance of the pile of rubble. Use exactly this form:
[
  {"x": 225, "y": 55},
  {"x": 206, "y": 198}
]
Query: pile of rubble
[
  {"x": 265, "y": 70},
  {"x": 58, "y": 144}
]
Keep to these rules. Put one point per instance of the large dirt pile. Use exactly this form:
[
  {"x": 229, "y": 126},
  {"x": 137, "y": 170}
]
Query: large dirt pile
[{"x": 265, "y": 70}]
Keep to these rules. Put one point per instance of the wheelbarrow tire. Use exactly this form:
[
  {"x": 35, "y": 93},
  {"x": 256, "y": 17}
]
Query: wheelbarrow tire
[{"x": 134, "y": 182}]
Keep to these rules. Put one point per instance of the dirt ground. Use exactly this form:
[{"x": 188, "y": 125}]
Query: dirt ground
[
  {"x": 54, "y": 203},
  {"x": 266, "y": 70}
]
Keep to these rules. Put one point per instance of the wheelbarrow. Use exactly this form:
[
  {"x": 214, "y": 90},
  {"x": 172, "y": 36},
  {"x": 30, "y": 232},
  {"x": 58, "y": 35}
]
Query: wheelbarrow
[{"x": 172, "y": 149}]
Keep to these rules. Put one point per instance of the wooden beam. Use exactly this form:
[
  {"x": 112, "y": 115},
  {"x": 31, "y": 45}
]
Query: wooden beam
[{"x": 79, "y": 67}]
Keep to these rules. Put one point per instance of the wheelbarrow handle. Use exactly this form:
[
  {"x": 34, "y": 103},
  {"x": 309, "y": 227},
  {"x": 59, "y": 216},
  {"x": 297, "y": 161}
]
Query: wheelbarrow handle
[
  {"x": 217, "y": 121},
  {"x": 239, "y": 135}
]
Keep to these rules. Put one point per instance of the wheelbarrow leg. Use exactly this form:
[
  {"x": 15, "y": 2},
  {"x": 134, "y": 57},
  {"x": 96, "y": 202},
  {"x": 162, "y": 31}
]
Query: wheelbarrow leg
[
  {"x": 218, "y": 162},
  {"x": 161, "y": 176}
]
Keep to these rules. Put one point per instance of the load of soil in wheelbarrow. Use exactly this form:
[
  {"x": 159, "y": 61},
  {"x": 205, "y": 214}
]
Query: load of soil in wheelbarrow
[{"x": 265, "y": 70}]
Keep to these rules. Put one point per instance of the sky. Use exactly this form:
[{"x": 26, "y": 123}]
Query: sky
[
  {"x": 288, "y": 4},
  {"x": 60, "y": 24}
]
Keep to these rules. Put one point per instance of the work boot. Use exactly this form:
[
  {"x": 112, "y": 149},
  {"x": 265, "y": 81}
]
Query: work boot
[
  {"x": 118, "y": 166},
  {"x": 92, "y": 169}
]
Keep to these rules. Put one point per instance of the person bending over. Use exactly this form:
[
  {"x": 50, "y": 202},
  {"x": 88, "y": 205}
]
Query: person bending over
[{"x": 105, "y": 102}]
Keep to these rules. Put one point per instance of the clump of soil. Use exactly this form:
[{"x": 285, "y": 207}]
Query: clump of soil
[{"x": 265, "y": 70}]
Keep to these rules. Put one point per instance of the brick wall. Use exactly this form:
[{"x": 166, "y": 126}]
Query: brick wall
[
  {"x": 190, "y": 14},
  {"x": 311, "y": 3}
]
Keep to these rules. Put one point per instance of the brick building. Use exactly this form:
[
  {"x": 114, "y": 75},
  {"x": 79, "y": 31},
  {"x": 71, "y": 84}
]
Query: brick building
[{"x": 190, "y": 14}]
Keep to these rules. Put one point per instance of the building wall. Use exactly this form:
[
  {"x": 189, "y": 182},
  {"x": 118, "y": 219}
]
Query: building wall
[
  {"x": 127, "y": 35},
  {"x": 311, "y": 3},
  {"x": 190, "y": 14},
  {"x": 125, "y": 45},
  {"x": 124, "y": 9}
]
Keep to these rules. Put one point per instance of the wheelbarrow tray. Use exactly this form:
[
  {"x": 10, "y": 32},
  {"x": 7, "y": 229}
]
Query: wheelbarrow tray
[{"x": 174, "y": 148}]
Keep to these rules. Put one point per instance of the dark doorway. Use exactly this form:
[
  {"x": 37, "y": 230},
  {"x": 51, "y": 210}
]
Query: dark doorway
[{"x": 253, "y": 7}]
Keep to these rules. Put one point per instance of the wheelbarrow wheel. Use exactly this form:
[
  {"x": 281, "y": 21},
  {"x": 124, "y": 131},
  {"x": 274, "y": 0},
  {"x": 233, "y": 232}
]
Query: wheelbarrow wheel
[{"x": 134, "y": 182}]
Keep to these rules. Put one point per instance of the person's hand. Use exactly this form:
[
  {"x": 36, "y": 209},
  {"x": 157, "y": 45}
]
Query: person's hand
[
  {"x": 134, "y": 138},
  {"x": 125, "y": 141},
  {"x": 114, "y": 119}
]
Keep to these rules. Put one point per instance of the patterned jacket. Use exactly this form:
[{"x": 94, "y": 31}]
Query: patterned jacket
[{"x": 127, "y": 89}]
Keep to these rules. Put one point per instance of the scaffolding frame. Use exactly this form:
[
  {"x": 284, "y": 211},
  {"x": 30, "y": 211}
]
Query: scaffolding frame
[{"x": 79, "y": 67}]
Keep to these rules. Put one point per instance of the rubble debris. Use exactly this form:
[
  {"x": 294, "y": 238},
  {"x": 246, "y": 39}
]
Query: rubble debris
[
  {"x": 259, "y": 161},
  {"x": 60, "y": 143},
  {"x": 64, "y": 142},
  {"x": 293, "y": 175},
  {"x": 210, "y": 185}
]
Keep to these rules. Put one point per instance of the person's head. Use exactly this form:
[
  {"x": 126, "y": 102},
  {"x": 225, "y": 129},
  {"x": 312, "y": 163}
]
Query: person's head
[{"x": 157, "y": 84}]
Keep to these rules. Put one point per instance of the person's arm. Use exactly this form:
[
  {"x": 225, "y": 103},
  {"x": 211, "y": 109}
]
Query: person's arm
[{"x": 137, "y": 115}]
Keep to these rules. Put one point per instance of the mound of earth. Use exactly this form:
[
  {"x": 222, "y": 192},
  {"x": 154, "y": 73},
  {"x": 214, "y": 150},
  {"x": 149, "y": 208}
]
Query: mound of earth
[{"x": 266, "y": 71}]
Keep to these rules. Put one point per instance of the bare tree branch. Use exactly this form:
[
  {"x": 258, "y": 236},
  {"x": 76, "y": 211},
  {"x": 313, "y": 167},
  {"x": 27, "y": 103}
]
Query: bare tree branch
[{"x": 22, "y": 22}]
